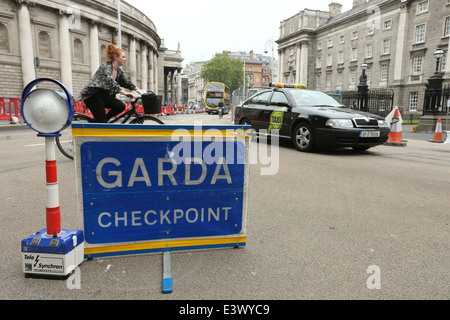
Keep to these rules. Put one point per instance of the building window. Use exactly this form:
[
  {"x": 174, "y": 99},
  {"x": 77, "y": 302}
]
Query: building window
[
  {"x": 319, "y": 62},
  {"x": 447, "y": 27},
  {"x": 370, "y": 30},
  {"x": 384, "y": 72},
  {"x": 417, "y": 64},
  {"x": 354, "y": 54},
  {"x": 330, "y": 43},
  {"x": 368, "y": 74},
  {"x": 352, "y": 76},
  {"x": 318, "y": 81},
  {"x": 4, "y": 38},
  {"x": 413, "y": 99},
  {"x": 422, "y": 7},
  {"x": 339, "y": 81},
  {"x": 387, "y": 24},
  {"x": 420, "y": 33},
  {"x": 319, "y": 46},
  {"x": 44, "y": 45},
  {"x": 369, "y": 50},
  {"x": 355, "y": 35},
  {"x": 292, "y": 51},
  {"x": 386, "y": 46},
  {"x": 329, "y": 59},
  {"x": 78, "y": 55},
  {"x": 328, "y": 79},
  {"x": 341, "y": 56},
  {"x": 342, "y": 39}
]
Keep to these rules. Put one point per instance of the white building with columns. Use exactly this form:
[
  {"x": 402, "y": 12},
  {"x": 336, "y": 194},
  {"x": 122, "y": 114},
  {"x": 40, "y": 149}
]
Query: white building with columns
[
  {"x": 66, "y": 41},
  {"x": 395, "y": 38}
]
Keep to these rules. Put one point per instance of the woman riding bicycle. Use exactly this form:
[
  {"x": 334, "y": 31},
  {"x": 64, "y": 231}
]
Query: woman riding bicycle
[{"x": 105, "y": 84}]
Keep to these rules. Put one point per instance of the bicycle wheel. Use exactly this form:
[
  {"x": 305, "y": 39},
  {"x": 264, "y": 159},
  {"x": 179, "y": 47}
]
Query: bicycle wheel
[
  {"x": 65, "y": 142},
  {"x": 145, "y": 119}
]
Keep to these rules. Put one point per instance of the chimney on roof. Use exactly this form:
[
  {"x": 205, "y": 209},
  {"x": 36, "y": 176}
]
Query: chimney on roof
[
  {"x": 357, "y": 3},
  {"x": 335, "y": 9},
  {"x": 251, "y": 53}
]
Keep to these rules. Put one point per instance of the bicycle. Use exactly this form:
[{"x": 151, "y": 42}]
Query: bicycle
[{"x": 151, "y": 103}]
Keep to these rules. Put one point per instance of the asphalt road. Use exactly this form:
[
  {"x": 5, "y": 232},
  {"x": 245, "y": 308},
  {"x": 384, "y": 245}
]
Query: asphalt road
[{"x": 316, "y": 230}]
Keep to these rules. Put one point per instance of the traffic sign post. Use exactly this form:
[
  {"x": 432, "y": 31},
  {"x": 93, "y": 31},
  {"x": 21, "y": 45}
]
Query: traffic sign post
[{"x": 161, "y": 188}]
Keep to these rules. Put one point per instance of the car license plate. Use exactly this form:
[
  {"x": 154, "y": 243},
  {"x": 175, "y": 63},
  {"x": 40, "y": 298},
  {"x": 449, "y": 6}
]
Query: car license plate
[{"x": 369, "y": 134}]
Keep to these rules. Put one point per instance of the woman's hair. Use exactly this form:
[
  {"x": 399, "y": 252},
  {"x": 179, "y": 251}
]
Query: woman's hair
[{"x": 112, "y": 52}]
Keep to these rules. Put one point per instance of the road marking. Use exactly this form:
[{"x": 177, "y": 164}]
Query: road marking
[
  {"x": 42, "y": 144},
  {"x": 35, "y": 145}
]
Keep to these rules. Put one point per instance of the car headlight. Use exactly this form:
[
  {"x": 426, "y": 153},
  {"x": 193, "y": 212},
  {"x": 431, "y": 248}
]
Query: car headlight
[
  {"x": 382, "y": 124},
  {"x": 339, "y": 123}
]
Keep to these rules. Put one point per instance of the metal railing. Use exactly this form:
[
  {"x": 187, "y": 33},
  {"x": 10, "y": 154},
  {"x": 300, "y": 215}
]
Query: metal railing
[
  {"x": 379, "y": 102},
  {"x": 436, "y": 101}
]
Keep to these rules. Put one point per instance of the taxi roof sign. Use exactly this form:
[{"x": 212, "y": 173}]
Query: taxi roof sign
[{"x": 287, "y": 85}]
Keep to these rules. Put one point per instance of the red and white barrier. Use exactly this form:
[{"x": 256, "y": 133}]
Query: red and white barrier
[{"x": 10, "y": 107}]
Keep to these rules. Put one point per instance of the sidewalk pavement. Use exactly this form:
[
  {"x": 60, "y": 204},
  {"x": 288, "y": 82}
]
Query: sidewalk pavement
[
  {"x": 7, "y": 125},
  {"x": 407, "y": 130}
]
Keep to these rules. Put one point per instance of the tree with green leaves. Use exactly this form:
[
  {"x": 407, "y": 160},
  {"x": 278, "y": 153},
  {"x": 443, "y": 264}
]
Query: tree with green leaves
[{"x": 223, "y": 68}]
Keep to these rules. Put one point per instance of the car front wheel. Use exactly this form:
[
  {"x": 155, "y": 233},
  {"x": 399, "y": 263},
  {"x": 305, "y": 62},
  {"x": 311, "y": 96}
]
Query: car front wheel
[{"x": 303, "y": 137}]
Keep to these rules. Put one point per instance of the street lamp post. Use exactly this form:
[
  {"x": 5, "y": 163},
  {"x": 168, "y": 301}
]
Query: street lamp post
[
  {"x": 363, "y": 89},
  {"x": 269, "y": 43},
  {"x": 434, "y": 86},
  {"x": 438, "y": 54}
]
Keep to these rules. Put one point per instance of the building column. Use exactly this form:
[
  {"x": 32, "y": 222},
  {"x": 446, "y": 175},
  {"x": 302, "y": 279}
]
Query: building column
[
  {"x": 178, "y": 102},
  {"x": 304, "y": 63},
  {"x": 65, "y": 56},
  {"x": 401, "y": 36},
  {"x": 298, "y": 63},
  {"x": 151, "y": 72},
  {"x": 166, "y": 89},
  {"x": 155, "y": 69},
  {"x": 144, "y": 67},
  {"x": 26, "y": 44},
  {"x": 94, "y": 48},
  {"x": 280, "y": 65},
  {"x": 132, "y": 59},
  {"x": 172, "y": 86}
]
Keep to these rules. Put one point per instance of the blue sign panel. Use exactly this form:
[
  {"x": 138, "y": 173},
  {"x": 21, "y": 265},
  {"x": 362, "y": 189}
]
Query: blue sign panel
[{"x": 151, "y": 190}]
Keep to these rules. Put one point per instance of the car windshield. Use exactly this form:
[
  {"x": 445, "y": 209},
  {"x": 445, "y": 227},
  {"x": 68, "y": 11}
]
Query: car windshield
[{"x": 310, "y": 98}]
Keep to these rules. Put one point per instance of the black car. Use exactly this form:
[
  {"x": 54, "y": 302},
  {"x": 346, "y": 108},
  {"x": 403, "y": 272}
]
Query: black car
[{"x": 311, "y": 119}]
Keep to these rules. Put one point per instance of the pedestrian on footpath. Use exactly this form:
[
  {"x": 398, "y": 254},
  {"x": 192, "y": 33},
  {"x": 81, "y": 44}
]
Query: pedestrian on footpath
[
  {"x": 105, "y": 84},
  {"x": 220, "y": 109}
]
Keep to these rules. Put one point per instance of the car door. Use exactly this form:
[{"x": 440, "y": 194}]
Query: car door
[
  {"x": 275, "y": 115},
  {"x": 256, "y": 108}
]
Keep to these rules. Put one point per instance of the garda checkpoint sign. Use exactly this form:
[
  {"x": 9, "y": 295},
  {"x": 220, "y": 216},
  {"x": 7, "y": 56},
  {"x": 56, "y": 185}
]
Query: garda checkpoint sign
[{"x": 155, "y": 188}]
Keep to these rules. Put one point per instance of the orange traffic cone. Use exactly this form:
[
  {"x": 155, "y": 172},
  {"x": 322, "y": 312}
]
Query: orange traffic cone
[
  {"x": 438, "y": 133},
  {"x": 396, "y": 136}
]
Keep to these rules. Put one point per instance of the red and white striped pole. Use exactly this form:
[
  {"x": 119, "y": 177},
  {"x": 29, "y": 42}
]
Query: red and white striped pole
[{"x": 53, "y": 213}]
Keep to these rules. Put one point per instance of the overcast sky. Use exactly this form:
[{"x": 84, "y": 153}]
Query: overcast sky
[{"x": 205, "y": 27}]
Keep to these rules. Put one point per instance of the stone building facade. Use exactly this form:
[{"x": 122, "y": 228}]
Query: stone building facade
[
  {"x": 395, "y": 38},
  {"x": 66, "y": 41}
]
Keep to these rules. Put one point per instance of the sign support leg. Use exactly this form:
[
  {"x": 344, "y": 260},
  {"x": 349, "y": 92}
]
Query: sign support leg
[{"x": 167, "y": 285}]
